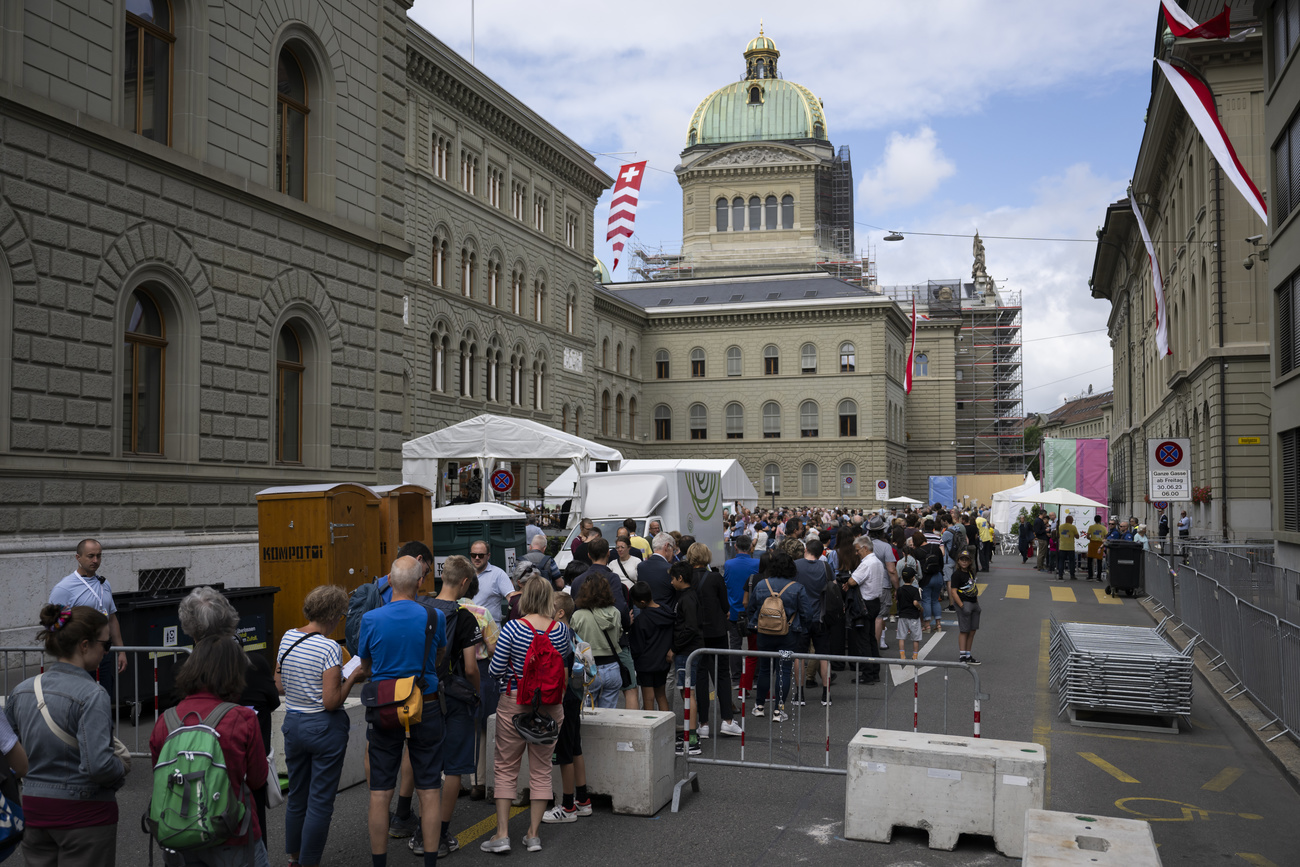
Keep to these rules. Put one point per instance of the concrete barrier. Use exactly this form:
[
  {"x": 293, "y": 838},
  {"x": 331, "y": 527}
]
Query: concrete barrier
[
  {"x": 629, "y": 757},
  {"x": 354, "y": 769},
  {"x": 1055, "y": 839},
  {"x": 945, "y": 784}
]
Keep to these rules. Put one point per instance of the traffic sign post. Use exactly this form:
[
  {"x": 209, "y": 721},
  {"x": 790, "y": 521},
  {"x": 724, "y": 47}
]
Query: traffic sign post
[
  {"x": 503, "y": 481},
  {"x": 882, "y": 489},
  {"x": 1169, "y": 469}
]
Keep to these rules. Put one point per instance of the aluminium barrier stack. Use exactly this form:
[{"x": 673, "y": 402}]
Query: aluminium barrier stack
[{"x": 1129, "y": 670}]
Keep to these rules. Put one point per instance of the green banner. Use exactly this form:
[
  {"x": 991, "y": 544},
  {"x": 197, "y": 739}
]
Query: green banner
[{"x": 1059, "y": 464}]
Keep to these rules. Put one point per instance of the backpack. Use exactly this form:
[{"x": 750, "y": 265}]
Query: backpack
[
  {"x": 909, "y": 568},
  {"x": 11, "y": 811},
  {"x": 543, "y": 679},
  {"x": 931, "y": 559},
  {"x": 771, "y": 614},
  {"x": 365, "y": 598},
  {"x": 195, "y": 805}
]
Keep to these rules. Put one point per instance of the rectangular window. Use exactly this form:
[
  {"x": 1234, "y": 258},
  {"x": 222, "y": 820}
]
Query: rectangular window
[
  {"x": 697, "y": 367},
  {"x": 661, "y": 370},
  {"x": 848, "y": 425},
  {"x": 1288, "y": 324},
  {"x": 663, "y": 428},
  {"x": 1286, "y": 29},
  {"x": 1289, "y": 448},
  {"x": 152, "y": 580},
  {"x": 771, "y": 366}
]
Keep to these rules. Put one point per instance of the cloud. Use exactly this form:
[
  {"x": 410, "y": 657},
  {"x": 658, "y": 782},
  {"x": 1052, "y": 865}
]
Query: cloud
[{"x": 912, "y": 169}]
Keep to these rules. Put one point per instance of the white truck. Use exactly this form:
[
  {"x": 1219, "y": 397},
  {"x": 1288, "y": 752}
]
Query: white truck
[{"x": 689, "y": 501}]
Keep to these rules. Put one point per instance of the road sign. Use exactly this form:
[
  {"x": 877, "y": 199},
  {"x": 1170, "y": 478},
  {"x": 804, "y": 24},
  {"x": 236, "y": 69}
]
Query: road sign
[
  {"x": 1161, "y": 505},
  {"x": 848, "y": 482},
  {"x": 882, "y": 489},
  {"x": 1169, "y": 469},
  {"x": 502, "y": 481}
]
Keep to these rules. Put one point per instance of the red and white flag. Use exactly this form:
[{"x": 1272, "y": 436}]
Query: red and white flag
[
  {"x": 911, "y": 354},
  {"x": 1157, "y": 285},
  {"x": 1199, "y": 102},
  {"x": 622, "y": 210},
  {"x": 1184, "y": 25}
]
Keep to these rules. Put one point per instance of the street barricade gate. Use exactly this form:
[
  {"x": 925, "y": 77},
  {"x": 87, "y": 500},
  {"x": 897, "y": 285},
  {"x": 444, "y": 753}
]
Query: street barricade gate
[{"x": 792, "y": 734}]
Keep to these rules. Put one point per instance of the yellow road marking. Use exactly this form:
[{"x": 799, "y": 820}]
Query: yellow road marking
[
  {"x": 1073, "y": 732},
  {"x": 1107, "y": 767},
  {"x": 1257, "y": 860},
  {"x": 1017, "y": 591},
  {"x": 1223, "y": 779},
  {"x": 1063, "y": 594},
  {"x": 1187, "y": 812},
  {"x": 473, "y": 832},
  {"x": 1104, "y": 599},
  {"x": 1043, "y": 707},
  {"x": 980, "y": 588}
]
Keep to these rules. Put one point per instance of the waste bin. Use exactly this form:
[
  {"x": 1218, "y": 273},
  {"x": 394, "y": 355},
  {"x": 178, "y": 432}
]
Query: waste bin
[
  {"x": 456, "y": 528},
  {"x": 1125, "y": 562},
  {"x": 152, "y": 619}
]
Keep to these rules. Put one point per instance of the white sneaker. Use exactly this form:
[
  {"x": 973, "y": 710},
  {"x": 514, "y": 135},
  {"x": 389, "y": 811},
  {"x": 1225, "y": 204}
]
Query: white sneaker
[
  {"x": 558, "y": 815},
  {"x": 779, "y": 716},
  {"x": 702, "y": 732},
  {"x": 884, "y": 645},
  {"x": 758, "y": 710},
  {"x": 731, "y": 728}
]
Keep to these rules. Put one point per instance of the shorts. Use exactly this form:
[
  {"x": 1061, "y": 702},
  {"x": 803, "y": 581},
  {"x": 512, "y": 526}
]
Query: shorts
[
  {"x": 821, "y": 642},
  {"x": 625, "y": 657},
  {"x": 909, "y": 627},
  {"x": 886, "y": 601},
  {"x": 652, "y": 679},
  {"x": 425, "y": 746},
  {"x": 968, "y": 617},
  {"x": 458, "y": 738},
  {"x": 569, "y": 744}
]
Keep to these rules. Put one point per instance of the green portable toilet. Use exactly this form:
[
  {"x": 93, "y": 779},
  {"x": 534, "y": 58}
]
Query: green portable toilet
[{"x": 456, "y": 528}]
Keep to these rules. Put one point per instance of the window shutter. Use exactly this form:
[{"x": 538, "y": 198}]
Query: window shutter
[{"x": 1290, "y": 446}]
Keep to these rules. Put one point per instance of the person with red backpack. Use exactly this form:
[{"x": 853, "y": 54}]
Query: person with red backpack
[{"x": 529, "y": 662}]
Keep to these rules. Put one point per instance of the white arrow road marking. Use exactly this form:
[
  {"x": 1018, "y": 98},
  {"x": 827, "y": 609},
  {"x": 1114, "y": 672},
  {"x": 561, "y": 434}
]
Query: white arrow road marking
[{"x": 901, "y": 673}]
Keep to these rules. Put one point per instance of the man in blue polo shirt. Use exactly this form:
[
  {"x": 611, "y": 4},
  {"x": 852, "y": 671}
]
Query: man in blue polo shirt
[
  {"x": 391, "y": 645},
  {"x": 737, "y": 572}
]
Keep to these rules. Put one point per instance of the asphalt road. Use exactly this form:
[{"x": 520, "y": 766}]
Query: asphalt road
[{"x": 1212, "y": 794}]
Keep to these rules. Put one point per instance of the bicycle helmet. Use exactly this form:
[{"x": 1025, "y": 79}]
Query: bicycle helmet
[{"x": 536, "y": 727}]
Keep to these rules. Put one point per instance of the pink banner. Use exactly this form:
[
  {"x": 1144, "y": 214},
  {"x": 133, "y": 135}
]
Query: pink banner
[{"x": 1092, "y": 468}]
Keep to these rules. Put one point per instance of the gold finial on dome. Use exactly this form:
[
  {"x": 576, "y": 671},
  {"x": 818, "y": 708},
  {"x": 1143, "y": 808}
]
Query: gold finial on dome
[{"x": 760, "y": 27}]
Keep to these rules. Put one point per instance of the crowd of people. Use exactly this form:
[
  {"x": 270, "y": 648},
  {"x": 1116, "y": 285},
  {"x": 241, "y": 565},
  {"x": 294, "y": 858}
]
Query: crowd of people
[
  {"x": 1060, "y": 545},
  {"x": 433, "y": 662}
]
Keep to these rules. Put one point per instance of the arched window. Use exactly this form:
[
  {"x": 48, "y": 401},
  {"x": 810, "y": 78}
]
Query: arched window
[
  {"x": 755, "y": 213},
  {"x": 808, "y": 425},
  {"x": 808, "y": 480},
  {"x": 699, "y": 422},
  {"x": 661, "y": 364},
  {"x": 921, "y": 366},
  {"x": 848, "y": 413},
  {"x": 439, "y": 262},
  {"x": 440, "y": 347},
  {"x": 618, "y": 358},
  {"x": 771, "y": 420},
  {"x": 694, "y": 137},
  {"x": 289, "y": 370},
  {"x": 143, "y": 366},
  {"x": 150, "y": 47},
  {"x": 577, "y": 421},
  {"x": 722, "y": 215},
  {"x": 604, "y": 414},
  {"x": 756, "y": 94},
  {"x": 631, "y": 362},
  {"x": 517, "y": 293},
  {"x": 849, "y": 479},
  {"x": 468, "y": 265},
  {"x": 772, "y": 480},
  {"x": 737, "y": 214},
  {"x": 769, "y": 207},
  {"x": 735, "y": 414},
  {"x": 631, "y": 417},
  {"x": 697, "y": 362},
  {"x": 493, "y": 373},
  {"x": 848, "y": 358},
  {"x": 494, "y": 283},
  {"x": 604, "y": 353},
  {"x": 564, "y": 419},
  {"x": 819, "y": 131},
  {"x": 663, "y": 423},
  {"x": 568, "y": 315},
  {"x": 733, "y": 361},
  {"x": 539, "y": 384},
  {"x": 618, "y": 416},
  {"x": 787, "y": 212},
  {"x": 291, "y": 126},
  {"x": 808, "y": 358},
  {"x": 771, "y": 360}
]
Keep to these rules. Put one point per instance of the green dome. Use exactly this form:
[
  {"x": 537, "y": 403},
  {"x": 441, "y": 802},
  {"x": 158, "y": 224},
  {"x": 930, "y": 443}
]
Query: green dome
[
  {"x": 760, "y": 43},
  {"x": 787, "y": 111}
]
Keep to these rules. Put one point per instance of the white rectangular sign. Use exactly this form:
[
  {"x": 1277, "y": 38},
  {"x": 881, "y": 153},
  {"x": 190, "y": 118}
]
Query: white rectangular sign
[
  {"x": 1169, "y": 469},
  {"x": 882, "y": 489}
]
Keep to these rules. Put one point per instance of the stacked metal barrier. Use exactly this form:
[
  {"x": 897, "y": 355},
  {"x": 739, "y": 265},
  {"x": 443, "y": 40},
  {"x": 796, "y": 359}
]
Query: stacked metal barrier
[{"x": 1120, "y": 669}]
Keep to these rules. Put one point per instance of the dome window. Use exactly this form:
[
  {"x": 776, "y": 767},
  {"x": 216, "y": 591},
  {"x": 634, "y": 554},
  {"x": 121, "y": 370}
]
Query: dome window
[
  {"x": 819, "y": 131},
  {"x": 756, "y": 95},
  {"x": 694, "y": 137}
]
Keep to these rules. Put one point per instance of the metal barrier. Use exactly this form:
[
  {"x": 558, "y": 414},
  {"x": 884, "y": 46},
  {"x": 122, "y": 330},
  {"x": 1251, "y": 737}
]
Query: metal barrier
[
  {"x": 1158, "y": 578},
  {"x": 40, "y": 659},
  {"x": 795, "y": 718}
]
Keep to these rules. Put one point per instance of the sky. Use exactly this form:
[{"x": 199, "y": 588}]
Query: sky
[{"x": 1018, "y": 118}]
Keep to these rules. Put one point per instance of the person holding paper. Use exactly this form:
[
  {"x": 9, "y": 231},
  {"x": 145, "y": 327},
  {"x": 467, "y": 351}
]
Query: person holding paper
[{"x": 314, "y": 684}]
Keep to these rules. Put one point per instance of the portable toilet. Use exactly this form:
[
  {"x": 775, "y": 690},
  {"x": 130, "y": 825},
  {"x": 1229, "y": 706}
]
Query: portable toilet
[
  {"x": 456, "y": 528},
  {"x": 309, "y": 535},
  {"x": 404, "y": 516}
]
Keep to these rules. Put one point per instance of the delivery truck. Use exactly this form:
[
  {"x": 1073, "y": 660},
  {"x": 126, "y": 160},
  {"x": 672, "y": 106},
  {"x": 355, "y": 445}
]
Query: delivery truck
[{"x": 689, "y": 501}]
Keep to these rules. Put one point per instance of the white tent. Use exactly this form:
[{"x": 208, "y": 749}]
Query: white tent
[
  {"x": 1005, "y": 508},
  {"x": 487, "y": 438},
  {"x": 904, "y": 501},
  {"x": 736, "y": 486}
]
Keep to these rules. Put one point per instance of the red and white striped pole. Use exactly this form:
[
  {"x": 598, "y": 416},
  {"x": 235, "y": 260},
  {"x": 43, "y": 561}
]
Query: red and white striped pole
[
  {"x": 686, "y": 716},
  {"x": 916, "y": 695},
  {"x": 977, "y": 717}
]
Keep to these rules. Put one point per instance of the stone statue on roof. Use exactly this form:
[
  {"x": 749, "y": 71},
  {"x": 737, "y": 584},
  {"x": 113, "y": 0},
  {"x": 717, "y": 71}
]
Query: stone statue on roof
[{"x": 977, "y": 250}]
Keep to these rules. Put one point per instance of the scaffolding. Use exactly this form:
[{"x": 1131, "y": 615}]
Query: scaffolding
[{"x": 841, "y": 217}]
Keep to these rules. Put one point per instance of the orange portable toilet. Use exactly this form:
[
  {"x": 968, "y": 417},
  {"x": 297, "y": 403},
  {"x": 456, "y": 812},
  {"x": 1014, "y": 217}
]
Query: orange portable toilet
[{"x": 404, "y": 516}]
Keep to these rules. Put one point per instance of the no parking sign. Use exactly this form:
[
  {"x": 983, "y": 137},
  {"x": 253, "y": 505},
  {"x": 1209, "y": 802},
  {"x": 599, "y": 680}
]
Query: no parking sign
[
  {"x": 503, "y": 481},
  {"x": 1169, "y": 469},
  {"x": 882, "y": 489}
]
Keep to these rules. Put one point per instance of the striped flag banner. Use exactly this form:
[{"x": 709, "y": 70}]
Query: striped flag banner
[
  {"x": 622, "y": 210},
  {"x": 911, "y": 354},
  {"x": 1199, "y": 102},
  {"x": 1157, "y": 285},
  {"x": 1183, "y": 25}
]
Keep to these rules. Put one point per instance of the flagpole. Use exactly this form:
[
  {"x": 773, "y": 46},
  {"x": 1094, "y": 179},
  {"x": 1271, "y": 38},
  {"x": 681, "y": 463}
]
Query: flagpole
[{"x": 471, "y": 32}]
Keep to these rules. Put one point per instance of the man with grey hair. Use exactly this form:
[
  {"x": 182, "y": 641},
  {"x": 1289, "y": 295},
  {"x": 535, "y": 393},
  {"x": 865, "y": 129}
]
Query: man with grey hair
[
  {"x": 537, "y": 556},
  {"x": 654, "y": 569},
  {"x": 868, "y": 580}
]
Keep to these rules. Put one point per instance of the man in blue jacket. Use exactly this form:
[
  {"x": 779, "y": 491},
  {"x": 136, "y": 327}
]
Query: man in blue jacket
[{"x": 737, "y": 572}]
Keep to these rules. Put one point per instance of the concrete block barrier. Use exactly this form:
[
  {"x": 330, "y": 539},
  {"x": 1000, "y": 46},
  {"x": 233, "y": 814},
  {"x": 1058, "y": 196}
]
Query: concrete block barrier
[
  {"x": 944, "y": 784},
  {"x": 1055, "y": 839},
  {"x": 629, "y": 757},
  {"x": 354, "y": 769}
]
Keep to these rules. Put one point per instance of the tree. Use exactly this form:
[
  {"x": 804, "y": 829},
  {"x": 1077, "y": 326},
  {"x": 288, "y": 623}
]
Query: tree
[{"x": 1033, "y": 439}]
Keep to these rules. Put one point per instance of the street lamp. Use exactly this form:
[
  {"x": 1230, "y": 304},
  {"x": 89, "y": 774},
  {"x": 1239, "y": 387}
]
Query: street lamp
[{"x": 893, "y": 235}]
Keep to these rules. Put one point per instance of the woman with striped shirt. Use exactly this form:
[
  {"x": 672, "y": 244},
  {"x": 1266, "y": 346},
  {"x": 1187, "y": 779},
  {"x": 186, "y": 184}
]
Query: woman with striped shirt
[
  {"x": 308, "y": 671},
  {"x": 508, "y": 666}
]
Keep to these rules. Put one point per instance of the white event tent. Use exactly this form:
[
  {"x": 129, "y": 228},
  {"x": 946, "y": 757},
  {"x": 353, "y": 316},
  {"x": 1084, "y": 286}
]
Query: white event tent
[
  {"x": 1005, "y": 506},
  {"x": 736, "y": 486},
  {"x": 487, "y": 438}
]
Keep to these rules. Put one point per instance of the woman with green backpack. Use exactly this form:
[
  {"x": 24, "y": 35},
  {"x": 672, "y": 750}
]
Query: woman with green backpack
[{"x": 226, "y": 768}]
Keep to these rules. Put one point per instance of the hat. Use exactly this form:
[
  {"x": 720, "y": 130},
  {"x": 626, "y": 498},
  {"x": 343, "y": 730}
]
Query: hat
[{"x": 876, "y": 523}]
